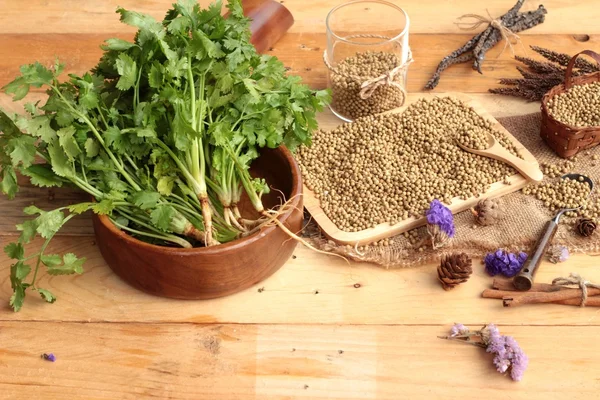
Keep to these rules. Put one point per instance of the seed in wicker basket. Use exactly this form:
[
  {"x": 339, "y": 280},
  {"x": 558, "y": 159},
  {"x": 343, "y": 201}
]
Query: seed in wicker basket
[
  {"x": 454, "y": 269},
  {"x": 585, "y": 227},
  {"x": 579, "y": 106},
  {"x": 389, "y": 167},
  {"x": 352, "y": 72},
  {"x": 487, "y": 212}
]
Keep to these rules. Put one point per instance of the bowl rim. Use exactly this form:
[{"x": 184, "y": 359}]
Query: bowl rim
[{"x": 234, "y": 244}]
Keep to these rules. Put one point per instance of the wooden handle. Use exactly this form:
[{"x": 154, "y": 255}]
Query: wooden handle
[
  {"x": 568, "y": 82},
  {"x": 530, "y": 170},
  {"x": 524, "y": 279},
  {"x": 270, "y": 21}
]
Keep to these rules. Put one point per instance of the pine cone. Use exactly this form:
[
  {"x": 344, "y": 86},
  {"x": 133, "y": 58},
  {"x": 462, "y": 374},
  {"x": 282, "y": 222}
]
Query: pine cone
[
  {"x": 585, "y": 227},
  {"x": 454, "y": 269},
  {"x": 487, "y": 212}
]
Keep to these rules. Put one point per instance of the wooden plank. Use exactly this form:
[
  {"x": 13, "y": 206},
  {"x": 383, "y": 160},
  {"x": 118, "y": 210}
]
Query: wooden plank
[
  {"x": 140, "y": 361},
  {"x": 385, "y": 230},
  {"x": 71, "y": 16},
  {"x": 310, "y": 288},
  {"x": 300, "y": 52}
]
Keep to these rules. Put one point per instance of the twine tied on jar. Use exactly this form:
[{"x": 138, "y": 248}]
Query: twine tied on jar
[{"x": 368, "y": 86}]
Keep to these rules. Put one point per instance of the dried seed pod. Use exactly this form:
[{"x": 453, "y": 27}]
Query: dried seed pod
[
  {"x": 585, "y": 227},
  {"x": 487, "y": 212},
  {"x": 454, "y": 269}
]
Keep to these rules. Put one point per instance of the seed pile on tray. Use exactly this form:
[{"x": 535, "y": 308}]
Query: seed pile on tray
[
  {"x": 473, "y": 137},
  {"x": 578, "y": 106},
  {"x": 352, "y": 72},
  {"x": 385, "y": 168}
]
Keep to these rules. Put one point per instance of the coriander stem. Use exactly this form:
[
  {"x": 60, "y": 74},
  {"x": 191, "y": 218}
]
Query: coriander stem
[
  {"x": 100, "y": 139},
  {"x": 41, "y": 253},
  {"x": 169, "y": 238}
]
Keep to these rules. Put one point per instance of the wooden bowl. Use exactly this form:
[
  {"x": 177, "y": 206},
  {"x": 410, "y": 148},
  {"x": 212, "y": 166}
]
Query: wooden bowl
[{"x": 209, "y": 272}]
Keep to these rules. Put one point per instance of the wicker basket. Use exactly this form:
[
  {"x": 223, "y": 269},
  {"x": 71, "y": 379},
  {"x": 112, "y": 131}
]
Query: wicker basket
[{"x": 567, "y": 140}]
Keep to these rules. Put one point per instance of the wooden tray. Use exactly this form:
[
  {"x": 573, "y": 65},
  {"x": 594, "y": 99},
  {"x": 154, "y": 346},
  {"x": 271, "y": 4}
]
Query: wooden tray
[{"x": 328, "y": 121}]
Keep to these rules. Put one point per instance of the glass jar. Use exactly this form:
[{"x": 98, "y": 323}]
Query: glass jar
[{"x": 367, "y": 57}]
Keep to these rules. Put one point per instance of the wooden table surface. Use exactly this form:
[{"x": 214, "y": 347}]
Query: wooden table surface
[{"x": 318, "y": 328}]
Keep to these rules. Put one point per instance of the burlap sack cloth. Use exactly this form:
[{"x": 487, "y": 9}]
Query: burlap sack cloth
[{"x": 525, "y": 217}]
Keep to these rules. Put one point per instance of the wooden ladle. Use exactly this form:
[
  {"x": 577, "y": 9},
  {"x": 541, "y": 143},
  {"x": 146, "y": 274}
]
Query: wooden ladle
[{"x": 531, "y": 170}]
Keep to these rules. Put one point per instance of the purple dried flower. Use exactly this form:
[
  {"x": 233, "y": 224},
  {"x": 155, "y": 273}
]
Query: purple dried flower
[
  {"x": 439, "y": 214},
  {"x": 458, "y": 329},
  {"x": 505, "y": 263},
  {"x": 508, "y": 356},
  {"x": 558, "y": 253},
  {"x": 49, "y": 357}
]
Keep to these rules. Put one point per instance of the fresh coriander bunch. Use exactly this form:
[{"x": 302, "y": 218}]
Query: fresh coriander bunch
[{"x": 160, "y": 134}]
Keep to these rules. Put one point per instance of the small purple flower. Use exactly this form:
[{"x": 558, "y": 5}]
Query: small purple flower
[
  {"x": 50, "y": 357},
  {"x": 508, "y": 355},
  {"x": 458, "y": 329},
  {"x": 505, "y": 263},
  {"x": 558, "y": 253},
  {"x": 439, "y": 214}
]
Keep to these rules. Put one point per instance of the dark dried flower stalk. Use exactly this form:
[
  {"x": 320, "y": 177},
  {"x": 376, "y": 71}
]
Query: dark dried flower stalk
[
  {"x": 581, "y": 64},
  {"x": 541, "y": 76},
  {"x": 475, "y": 49}
]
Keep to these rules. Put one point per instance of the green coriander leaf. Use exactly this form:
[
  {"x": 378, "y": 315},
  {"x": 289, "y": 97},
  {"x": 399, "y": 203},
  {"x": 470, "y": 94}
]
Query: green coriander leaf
[
  {"x": 17, "y": 298},
  {"x": 202, "y": 46},
  {"x": 68, "y": 142},
  {"x": 49, "y": 223},
  {"x": 140, "y": 21},
  {"x": 28, "y": 230},
  {"x": 155, "y": 77},
  {"x": 40, "y": 126},
  {"x": 22, "y": 150},
  {"x": 41, "y": 175},
  {"x": 36, "y": 74},
  {"x": 161, "y": 216},
  {"x": 64, "y": 117},
  {"x": 59, "y": 160},
  {"x": 146, "y": 132},
  {"x": 127, "y": 68},
  {"x": 18, "y": 88},
  {"x": 103, "y": 207},
  {"x": 15, "y": 251},
  {"x": 71, "y": 265},
  {"x": 145, "y": 199},
  {"x": 80, "y": 208},
  {"x": 21, "y": 270},
  {"x": 165, "y": 185},
  {"x": 180, "y": 24},
  {"x": 92, "y": 147},
  {"x": 117, "y": 44},
  {"x": 8, "y": 126},
  {"x": 46, "y": 295},
  {"x": 114, "y": 138},
  {"x": 51, "y": 260},
  {"x": 9, "y": 181},
  {"x": 32, "y": 210}
]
